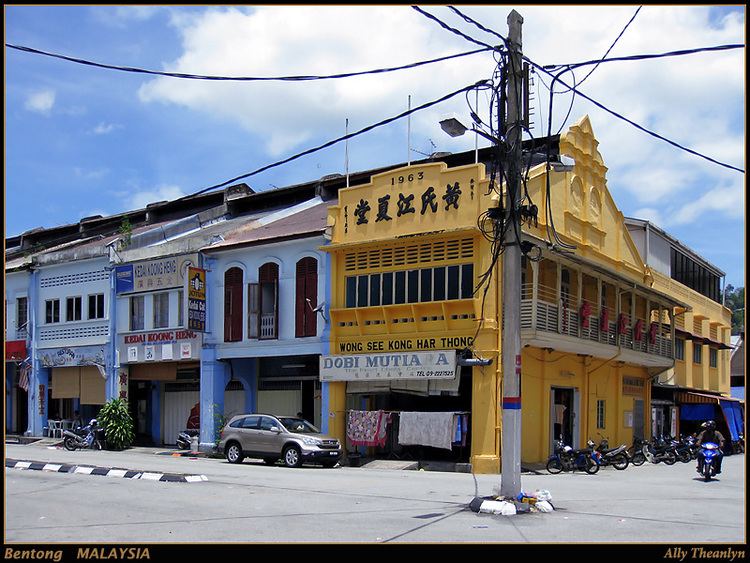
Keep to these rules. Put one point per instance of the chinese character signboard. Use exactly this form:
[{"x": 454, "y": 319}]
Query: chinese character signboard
[
  {"x": 196, "y": 299},
  {"x": 424, "y": 198}
]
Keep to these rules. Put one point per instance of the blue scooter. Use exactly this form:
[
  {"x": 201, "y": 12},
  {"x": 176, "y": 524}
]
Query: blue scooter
[{"x": 710, "y": 453}]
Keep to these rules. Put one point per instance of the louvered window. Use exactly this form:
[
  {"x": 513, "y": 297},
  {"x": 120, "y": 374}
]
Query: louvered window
[
  {"x": 306, "y": 298},
  {"x": 233, "y": 285}
]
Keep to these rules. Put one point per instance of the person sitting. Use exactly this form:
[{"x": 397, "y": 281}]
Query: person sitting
[
  {"x": 710, "y": 434},
  {"x": 77, "y": 420}
]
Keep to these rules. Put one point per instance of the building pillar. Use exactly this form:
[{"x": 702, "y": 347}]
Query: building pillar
[
  {"x": 156, "y": 387},
  {"x": 214, "y": 375}
]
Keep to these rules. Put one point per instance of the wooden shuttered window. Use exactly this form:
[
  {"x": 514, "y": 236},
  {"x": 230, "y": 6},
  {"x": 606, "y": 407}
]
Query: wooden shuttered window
[
  {"x": 233, "y": 313},
  {"x": 306, "y": 297}
]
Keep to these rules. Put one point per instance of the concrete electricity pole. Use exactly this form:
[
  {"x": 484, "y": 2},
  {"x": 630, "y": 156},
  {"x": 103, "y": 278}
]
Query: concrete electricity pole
[{"x": 511, "y": 289}]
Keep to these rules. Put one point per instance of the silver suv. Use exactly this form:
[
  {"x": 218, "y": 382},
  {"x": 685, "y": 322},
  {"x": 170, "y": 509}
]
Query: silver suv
[{"x": 271, "y": 438}]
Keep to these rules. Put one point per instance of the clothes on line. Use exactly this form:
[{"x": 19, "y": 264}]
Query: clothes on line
[
  {"x": 435, "y": 429},
  {"x": 367, "y": 428}
]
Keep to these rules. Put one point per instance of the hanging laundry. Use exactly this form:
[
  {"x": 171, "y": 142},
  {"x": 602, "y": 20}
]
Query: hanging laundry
[
  {"x": 426, "y": 429},
  {"x": 367, "y": 428}
]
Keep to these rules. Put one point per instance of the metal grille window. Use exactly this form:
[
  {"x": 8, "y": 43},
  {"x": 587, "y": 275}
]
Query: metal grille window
[
  {"x": 600, "y": 413},
  {"x": 137, "y": 312},
  {"x": 22, "y": 312},
  {"x": 712, "y": 357},
  {"x": 161, "y": 310},
  {"x": 96, "y": 306},
  {"x": 180, "y": 309},
  {"x": 73, "y": 309},
  {"x": 52, "y": 311},
  {"x": 410, "y": 286},
  {"x": 697, "y": 352}
]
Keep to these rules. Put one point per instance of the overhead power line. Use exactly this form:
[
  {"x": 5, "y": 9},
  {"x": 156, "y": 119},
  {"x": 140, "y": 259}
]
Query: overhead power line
[
  {"x": 648, "y": 56},
  {"x": 584, "y": 96},
  {"x": 334, "y": 141},
  {"x": 612, "y": 46},
  {"x": 634, "y": 124},
  {"x": 300, "y": 78}
]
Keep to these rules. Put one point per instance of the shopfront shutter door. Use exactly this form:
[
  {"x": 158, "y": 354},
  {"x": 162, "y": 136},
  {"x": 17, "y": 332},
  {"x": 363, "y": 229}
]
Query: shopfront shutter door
[
  {"x": 66, "y": 383},
  {"x": 92, "y": 386},
  {"x": 177, "y": 406}
]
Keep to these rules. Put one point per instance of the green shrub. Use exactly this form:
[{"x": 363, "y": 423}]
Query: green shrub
[{"x": 115, "y": 419}]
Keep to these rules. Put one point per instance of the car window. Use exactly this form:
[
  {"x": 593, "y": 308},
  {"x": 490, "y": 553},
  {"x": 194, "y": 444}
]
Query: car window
[
  {"x": 237, "y": 423},
  {"x": 299, "y": 425},
  {"x": 250, "y": 422},
  {"x": 267, "y": 422}
]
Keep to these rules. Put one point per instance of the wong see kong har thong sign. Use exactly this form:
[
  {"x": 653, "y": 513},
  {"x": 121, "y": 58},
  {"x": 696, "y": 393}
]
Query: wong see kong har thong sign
[{"x": 438, "y": 364}]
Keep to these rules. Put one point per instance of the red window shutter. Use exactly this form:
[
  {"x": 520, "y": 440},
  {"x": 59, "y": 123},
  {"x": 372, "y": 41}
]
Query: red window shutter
[
  {"x": 233, "y": 305},
  {"x": 311, "y": 289},
  {"x": 301, "y": 306},
  {"x": 236, "y": 313}
]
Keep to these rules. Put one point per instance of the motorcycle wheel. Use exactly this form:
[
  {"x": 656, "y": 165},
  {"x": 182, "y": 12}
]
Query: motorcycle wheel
[
  {"x": 591, "y": 466},
  {"x": 182, "y": 446},
  {"x": 670, "y": 458},
  {"x": 554, "y": 466},
  {"x": 638, "y": 459},
  {"x": 684, "y": 456},
  {"x": 620, "y": 462},
  {"x": 69, "y": 444},
  {"x": 707, "y": 471}
]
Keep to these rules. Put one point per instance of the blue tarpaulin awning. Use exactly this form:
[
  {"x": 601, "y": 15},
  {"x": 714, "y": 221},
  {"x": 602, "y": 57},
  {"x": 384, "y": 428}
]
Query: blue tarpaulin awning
[
  {"x": 733, "y": 415},
  {"x": 697, "y": 412}
]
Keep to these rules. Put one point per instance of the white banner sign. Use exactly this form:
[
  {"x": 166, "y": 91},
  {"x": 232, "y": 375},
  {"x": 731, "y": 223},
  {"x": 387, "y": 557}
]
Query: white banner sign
[{"x": 438, "y": 364}]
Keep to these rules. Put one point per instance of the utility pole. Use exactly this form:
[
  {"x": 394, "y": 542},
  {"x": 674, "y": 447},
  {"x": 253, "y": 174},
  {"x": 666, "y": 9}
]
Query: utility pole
[{"x": 511, "y": 289}]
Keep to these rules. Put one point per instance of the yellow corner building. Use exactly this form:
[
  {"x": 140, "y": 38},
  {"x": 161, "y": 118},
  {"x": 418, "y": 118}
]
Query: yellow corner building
[{"x": 599, "y": 327}]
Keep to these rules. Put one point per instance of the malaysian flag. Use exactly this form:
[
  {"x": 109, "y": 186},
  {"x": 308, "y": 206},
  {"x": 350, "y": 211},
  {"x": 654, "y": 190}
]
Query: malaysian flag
[{"x": 25, "y": 370}]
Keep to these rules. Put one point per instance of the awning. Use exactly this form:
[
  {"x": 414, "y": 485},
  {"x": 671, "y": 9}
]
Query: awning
[
  {"x": 15, "y": 350},
  {"x": 734, "y": 417},
  {"x": 700, "y": 398},
  {"x": 702, "y": 339}
]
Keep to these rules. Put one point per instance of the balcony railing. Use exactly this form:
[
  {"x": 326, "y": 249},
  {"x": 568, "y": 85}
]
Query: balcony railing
[
  {"x": 268, "y": 326},
  {"x": 564, "y": 317}
]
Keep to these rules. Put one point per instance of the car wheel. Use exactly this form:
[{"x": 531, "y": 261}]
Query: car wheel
[
  {"x": 292, "y": 456},
  {"x": 270, "y": 460},
  {"x": 234, "y": 453}
]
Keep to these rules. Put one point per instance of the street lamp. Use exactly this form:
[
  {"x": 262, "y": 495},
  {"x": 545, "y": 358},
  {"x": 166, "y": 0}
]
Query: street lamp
[{"x": 453, "y": 126}]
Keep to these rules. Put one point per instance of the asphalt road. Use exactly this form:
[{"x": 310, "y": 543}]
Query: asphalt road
[{"x": 251, "y": 502}]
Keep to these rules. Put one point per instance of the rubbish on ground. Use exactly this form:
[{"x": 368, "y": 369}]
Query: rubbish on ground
[{"x": 544, "y": 506}]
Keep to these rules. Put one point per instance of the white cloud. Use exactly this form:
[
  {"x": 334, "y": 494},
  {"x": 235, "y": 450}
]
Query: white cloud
[
  {"x": 41, "y": 101},
  {"x": 162, "y": 192},
  {"x": 105, "y": 128},
  {"x": 727, "y": 199}
]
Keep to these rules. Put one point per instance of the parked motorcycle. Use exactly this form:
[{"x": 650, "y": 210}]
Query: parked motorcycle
[
  {"x": 710, "y": 452},
  {"x": 90, "y": 436},
  {"x": 566, "y": 458},
  {"x": 635, "y": 452},
  {"x": 184, "y": 438},
  {"x": 657, "y": 451},
  {"x": 616, "y": 457}
]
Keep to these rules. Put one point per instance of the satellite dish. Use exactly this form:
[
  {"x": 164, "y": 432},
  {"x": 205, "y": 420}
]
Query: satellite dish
[{"x": 319, "y": 309}]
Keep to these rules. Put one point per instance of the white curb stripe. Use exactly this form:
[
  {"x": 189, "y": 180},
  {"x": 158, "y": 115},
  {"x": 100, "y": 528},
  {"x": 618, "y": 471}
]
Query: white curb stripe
[
  {"x": 152, "y": 476},
  {"x": 52, "y": 467},
  {"x": 23, "y": 464},
  {"x": 84, "y": 470},
  {"x": 195, "y": 478},
  {"x": 116, "y": 473}
]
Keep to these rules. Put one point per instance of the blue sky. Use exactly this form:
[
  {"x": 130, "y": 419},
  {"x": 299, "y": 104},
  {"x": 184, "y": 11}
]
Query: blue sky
[{"x": 82, "y": 141}]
